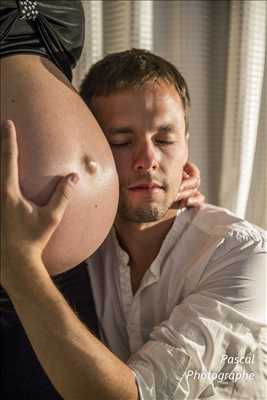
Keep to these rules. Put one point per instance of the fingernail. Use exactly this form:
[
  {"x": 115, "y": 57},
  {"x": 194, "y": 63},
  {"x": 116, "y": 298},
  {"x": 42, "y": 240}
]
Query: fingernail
[
  {"x": 6, "y": 124},
  {"x": 74, "y": 178}
]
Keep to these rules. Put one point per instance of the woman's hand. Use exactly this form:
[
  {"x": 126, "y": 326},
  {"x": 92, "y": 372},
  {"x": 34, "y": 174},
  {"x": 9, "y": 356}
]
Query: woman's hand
[
  {"x": 25, "y": 228},
  {"x": 189, "y": 194}
]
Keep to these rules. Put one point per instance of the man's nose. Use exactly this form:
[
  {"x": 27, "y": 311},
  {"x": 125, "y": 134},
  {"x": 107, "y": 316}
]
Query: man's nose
[{"x": 146, "y": 157}]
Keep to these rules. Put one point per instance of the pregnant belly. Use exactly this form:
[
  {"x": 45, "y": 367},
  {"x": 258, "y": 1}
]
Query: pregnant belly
[{"x": 57, "y": 134}]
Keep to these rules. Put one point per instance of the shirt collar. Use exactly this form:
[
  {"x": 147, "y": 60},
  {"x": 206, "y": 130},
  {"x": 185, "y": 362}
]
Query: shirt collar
[{"x": 171, "y": 238}]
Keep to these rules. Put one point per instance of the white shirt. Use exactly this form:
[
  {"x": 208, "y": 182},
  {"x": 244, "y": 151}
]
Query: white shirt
[{"x": 201, "y": 303}]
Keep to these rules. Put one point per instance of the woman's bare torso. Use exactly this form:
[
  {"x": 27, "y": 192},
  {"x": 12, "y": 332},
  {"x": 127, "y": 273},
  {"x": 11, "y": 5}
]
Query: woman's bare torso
[{"x": 57, "y": 134}]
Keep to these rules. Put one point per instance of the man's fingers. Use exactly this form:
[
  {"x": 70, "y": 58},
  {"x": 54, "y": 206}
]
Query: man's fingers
[
  {"x": 57, "y": 205},
  {"x": 9, "y": 159}
]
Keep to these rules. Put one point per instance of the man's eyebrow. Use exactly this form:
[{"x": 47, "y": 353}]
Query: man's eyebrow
[
  {"x": 166, "y": 128},
  {"x": 121, "y": 129}
]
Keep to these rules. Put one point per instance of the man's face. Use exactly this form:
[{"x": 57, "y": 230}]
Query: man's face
[{"x": 146, "y": 132}]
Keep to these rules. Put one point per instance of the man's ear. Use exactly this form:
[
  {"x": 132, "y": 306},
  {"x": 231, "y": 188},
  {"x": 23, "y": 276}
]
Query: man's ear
[{"x": 187, "y": 146}]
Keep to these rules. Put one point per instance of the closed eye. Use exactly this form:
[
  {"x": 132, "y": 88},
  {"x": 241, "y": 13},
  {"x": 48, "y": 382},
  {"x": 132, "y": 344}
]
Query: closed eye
[
  {"x": 165, "y": 142},
  {"x": 120, "y": 137},
  {"x": 119, "y": 144}
]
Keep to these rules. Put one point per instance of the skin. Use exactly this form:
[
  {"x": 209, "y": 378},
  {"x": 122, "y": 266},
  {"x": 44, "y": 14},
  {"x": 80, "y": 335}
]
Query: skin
[
  {"x": 85, "y": 366},
  {"x": 189, "y": 195},
  {"x": 57, "y": 134},
  {"x": 54, "y": 141},
  {"x": 34, "y": 295},
  {"x": 146, "y": 131}
]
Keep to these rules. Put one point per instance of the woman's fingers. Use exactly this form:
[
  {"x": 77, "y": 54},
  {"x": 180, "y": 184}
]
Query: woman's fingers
[
  {"x": 192, "y": 183},
  {"x": 191, "y": 177},
  {"x": 192, "y": 198},
  {"x": 29, "y": 224},
  {"x": 192, "y": 170},
  {"x": 9, "y": 161},
  {"x": 58, "y": 203},
  {"x": 186, "y": 194},
  {"x": 196, "y": 201},
  {"x": 189, "y": 195}
]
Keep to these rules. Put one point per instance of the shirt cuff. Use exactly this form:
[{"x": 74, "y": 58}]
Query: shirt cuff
[{"x": 153, "y": 379}]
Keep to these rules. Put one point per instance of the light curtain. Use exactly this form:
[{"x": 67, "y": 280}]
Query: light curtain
[{"x": 220, "y": 48}]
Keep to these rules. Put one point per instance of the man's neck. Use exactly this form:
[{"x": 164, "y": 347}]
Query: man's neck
[{"x": 143, "y": 241}]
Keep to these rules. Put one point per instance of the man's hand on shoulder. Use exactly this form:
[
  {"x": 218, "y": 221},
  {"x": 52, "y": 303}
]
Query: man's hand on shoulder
[{"x": 25, "y": 228}]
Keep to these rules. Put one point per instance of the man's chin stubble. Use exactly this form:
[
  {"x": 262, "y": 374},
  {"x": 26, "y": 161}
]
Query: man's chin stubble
[{"x": 142, "y": 215}]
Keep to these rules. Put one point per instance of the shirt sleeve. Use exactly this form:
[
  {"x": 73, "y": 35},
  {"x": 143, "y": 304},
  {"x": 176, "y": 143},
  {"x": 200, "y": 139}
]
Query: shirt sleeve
[{"x": 207, "y": 336}]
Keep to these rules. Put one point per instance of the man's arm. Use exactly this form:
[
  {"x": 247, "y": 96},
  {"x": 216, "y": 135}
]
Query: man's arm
[
  {"x": 199, "y": 350},
  {"x": 77, "y": 363}
]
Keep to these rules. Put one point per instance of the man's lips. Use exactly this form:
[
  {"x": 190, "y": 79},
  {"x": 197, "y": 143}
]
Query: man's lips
[{"x": 153, "y": 185}]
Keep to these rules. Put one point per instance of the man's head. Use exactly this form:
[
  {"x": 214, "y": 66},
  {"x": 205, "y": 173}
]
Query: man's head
[{"x": 141, "y": 102}]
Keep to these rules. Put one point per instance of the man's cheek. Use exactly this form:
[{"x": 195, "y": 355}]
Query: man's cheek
[
  {"x": 174, "y": 186},
  {"x": 119, "y": 166},
  {"x": 123, "y": 180},
  {"x": 177, "y": 177},
  {"x": 117, "y": 163},
  {"x": 122, "y": 163}
]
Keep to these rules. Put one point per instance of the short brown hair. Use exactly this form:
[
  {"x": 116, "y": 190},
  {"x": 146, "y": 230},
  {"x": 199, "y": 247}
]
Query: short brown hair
[{"x": 132, "y": 69}]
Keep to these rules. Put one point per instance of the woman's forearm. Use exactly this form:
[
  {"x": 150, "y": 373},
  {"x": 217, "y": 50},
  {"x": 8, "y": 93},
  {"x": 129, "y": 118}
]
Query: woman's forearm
[{"x": 78, "y": 365}]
